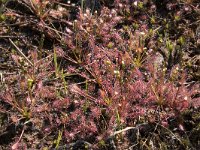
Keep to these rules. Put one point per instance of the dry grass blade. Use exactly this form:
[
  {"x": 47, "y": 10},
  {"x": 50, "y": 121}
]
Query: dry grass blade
[
  {"x": 123, "y": 130},
  {"x": 20, "y": 52}
]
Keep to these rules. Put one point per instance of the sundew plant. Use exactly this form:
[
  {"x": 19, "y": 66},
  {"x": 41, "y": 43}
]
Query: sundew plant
[{"x": 115, "y": 74}]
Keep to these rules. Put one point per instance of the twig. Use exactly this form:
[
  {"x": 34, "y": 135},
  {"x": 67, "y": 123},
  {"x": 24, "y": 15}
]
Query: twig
[
  {"x": 128, "y": 128},
  {"x": 66, "y": 5},
  {"x": 21, "y": 53},
  {"x": 15, "y": 146},
  {"x": 176, "y": 136},
  {"x": 10, "y": 36},
  {"x": 123, "y": 130}
]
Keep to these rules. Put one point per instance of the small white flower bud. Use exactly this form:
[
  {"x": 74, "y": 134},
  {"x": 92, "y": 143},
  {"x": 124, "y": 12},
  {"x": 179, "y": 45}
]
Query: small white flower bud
[
  {"x": 116, "y": 71},
  {"x": 87, "y": 11},
  {"x": 142, "y": 33},
  {"x": 135, "y": 3},
  {"x": 101, "y": 20}
]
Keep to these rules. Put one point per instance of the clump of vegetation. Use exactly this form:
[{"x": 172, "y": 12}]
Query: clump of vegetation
[{"x": 96, "y": 75}]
